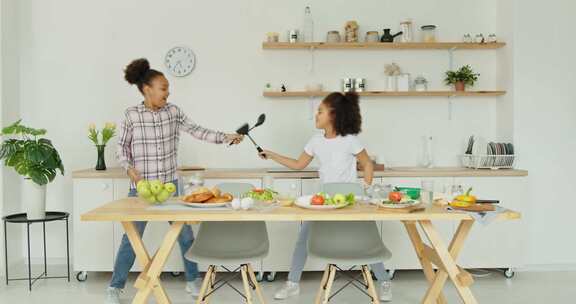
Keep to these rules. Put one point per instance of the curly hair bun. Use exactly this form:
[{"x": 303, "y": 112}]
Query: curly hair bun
[
  {"x": 136, "y": 71},
  {"x": 352, "y": 98}
]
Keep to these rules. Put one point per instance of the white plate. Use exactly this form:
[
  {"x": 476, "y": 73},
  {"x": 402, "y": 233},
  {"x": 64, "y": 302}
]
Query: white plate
[
  {"x": 204, "y": 205},
  {"x": 304, "y": 202},
  {"x": 407, "y": 204}
]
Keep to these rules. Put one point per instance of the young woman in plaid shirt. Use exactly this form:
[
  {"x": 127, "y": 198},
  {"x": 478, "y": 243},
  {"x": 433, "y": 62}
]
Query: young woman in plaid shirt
[{"x": 147, "y": 149}]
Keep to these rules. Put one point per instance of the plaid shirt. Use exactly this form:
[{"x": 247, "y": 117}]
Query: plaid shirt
[{"x": 149, "y": 140}]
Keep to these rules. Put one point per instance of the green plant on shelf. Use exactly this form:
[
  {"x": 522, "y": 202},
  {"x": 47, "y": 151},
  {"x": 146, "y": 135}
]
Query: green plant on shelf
[{"x": 461, "y": 77}]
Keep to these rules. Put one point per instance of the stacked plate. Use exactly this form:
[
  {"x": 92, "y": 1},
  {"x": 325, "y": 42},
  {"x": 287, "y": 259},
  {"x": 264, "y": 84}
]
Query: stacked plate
[{"x": 480, "y": 154}]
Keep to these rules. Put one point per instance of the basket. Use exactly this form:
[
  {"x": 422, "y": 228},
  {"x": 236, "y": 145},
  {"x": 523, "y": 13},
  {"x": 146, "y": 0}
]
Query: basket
[{"x": 488, "y": 161}]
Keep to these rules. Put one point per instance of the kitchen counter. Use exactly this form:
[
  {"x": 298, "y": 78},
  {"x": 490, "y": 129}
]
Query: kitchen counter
[{"x": 312, "y": 173}]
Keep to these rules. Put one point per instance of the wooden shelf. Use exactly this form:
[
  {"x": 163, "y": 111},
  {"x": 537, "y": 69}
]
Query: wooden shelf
[
  {"x": 384, "y": 46},
  {"x": 392, "y": 94}
]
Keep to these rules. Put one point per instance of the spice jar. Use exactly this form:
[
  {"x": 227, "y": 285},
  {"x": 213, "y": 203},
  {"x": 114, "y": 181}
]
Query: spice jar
[
  {"x": 420, "y": 84},
  {"x": 428, "y": 33},
  {"x": 333, "y": 37},
  {"x": 406, "y": 28},
  {"x": 372, "y": 36}
]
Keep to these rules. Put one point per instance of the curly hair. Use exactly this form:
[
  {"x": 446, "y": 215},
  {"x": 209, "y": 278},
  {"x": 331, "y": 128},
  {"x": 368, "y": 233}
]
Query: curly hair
[
  {"x": 345, "y": 112},
  {"x": 138, "y": 72}
]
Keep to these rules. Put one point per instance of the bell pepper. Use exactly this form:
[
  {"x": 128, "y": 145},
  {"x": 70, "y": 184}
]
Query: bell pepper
[{"x": 464, "y": 200}]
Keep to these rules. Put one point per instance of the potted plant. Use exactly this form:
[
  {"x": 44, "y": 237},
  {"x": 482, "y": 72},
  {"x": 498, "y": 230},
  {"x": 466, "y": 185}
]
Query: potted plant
[
  {"x": 461, "y": 78},
  {"x": 34, "y": 158},
  {"x": 107, "y": 133}
]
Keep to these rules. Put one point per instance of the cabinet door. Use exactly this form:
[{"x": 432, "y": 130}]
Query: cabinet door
[
  {"x": 282, "y": 235},
  {"x": 395, "y": 236},
  {"x": 153, "y": 235},
  {"x": 93, "y": 246},
  {"x": 500, "y": 244}
]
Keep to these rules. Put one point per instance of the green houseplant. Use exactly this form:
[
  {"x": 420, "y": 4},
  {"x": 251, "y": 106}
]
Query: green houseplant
[
  {"x": 461, "y": 78},
  {"x": 34, "y": 158}
]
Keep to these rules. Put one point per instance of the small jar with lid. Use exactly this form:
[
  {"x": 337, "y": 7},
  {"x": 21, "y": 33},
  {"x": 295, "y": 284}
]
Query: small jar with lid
[
  {"x": 333, "y": 37},
  {"x": 420, "y": 84},
  {"x": 428, "y": 33}
]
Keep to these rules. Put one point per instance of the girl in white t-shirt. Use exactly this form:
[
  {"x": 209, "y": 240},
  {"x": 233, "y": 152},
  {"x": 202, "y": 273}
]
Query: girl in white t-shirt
[{"x": 337, "y": 151}]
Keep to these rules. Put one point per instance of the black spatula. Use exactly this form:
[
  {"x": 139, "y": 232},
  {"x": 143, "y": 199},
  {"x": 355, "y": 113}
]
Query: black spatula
[{"x": 244, "y": 130}]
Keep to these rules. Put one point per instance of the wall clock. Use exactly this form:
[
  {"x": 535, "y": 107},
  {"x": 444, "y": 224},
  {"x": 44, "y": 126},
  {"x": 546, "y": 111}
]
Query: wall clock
[{"x": 180, "y": 61}]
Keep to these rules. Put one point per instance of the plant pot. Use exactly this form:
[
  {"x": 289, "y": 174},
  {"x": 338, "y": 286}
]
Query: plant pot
[
  {"x": 100, "y": 163},
  {"x": 34, "y": 199},
  {"x": 460, "y": 86}
]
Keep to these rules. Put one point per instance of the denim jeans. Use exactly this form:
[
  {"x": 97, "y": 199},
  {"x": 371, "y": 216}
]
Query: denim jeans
[
  {"x": 125, "y": 256},
  {"x": 301, "y": 254}
]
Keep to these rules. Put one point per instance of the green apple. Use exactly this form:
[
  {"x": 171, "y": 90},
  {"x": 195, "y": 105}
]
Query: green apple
[
  {"x": 151, "y": 199},
  {"x": 170, "y": 187},
  {"x": 144, "y": 191},
  {"x": 163, "y": 196},
  {"x": 156, "y": 186},
  {"x": 142, "y": 184},
  {"x": 339, "y": 199}
]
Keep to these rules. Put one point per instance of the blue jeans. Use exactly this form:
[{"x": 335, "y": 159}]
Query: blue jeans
[
  {"x": 125, "y": 256},
  {"x": 301, "y": 254}
]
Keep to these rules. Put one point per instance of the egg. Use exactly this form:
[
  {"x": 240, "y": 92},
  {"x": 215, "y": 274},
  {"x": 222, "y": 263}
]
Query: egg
[
  {"x": 235, "y": 203},
  {"x": 246, "y": 203}
]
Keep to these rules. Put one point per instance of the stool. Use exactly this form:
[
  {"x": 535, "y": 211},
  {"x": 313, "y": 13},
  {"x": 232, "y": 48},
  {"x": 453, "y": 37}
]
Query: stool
[{"x": 21, "y": 218}]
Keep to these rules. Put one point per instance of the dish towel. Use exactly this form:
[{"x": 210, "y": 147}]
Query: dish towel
[{"x": 483, "y": 218}]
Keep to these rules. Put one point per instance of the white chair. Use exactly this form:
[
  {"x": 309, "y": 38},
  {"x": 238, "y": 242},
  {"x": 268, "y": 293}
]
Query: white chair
[
  {"x": 230, "y": 243},
  {"x": 346, "y": 243}
]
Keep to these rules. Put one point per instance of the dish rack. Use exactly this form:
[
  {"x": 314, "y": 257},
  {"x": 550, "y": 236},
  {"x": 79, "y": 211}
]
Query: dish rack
[{"x": 486, "y": 161}]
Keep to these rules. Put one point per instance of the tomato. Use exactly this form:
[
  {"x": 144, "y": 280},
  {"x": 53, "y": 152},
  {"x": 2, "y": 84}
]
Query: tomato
[
  {"x": 317, "y": 200},
  {"x": 258, "y": 190},
  {"x": 395, "y": 196}
]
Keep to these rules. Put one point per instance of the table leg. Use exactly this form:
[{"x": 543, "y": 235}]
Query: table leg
[
  {"x": 424, "y": 261},
  {"x": 67, "y": 250},
  {"x": 44, "y": 235},
  {"x": 6, "y": 251},
  {"x": 29, "y": 265},
  {"x": 152, "y": 267},
  {"x": 446, "y": 258}
]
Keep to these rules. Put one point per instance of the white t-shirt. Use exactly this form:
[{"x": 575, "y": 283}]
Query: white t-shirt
[{"x": 337, "y": 157}]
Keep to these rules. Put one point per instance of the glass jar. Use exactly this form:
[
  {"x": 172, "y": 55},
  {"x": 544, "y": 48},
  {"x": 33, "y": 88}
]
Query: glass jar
[
  {"x": 333, "y": 37},
  {"x": 428, "y": 33},
  {"x": 420, "y": 84}
]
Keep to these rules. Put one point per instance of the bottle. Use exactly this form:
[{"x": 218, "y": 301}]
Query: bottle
[{"x": 308, "y": 26}]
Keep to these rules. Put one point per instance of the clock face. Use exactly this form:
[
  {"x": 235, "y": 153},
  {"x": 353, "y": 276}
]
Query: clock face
[{"x": 180, "y": 61}]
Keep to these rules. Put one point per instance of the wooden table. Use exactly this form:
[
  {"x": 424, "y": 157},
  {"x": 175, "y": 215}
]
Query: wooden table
[{"x": 129, "y": 210}]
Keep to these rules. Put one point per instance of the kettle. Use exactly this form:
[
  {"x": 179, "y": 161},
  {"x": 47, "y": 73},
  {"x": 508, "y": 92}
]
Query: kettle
[{"x": 387, "y": 37}]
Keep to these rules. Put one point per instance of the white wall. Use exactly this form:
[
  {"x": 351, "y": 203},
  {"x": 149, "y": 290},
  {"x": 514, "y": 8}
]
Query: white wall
[
  {"x": 544, "y": 124},
  {"x": 73, "y": 53},
  {"x": 10, "y": 111}
]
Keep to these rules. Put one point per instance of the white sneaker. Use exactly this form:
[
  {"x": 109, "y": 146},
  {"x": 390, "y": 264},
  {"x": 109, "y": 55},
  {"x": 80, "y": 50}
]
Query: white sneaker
[
  {"x": 193, "y": 287},
  {"x": 386, "y": 291},
  {"x": 289, "y": 289},
  {"x": 113, "y": 295}
]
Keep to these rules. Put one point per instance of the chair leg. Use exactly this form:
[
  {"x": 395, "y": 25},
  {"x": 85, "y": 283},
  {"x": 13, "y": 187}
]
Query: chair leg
[
  {"x": 210, "y": 284},
  {"x": 322, "y": 285},
  {"x": 246, "y": 284},
  {"x": 205, "y": 283},
  {"x": 256, "y": 285},
  {"x": 371, "y": 288},
  {"x": 329, "y": 283}
]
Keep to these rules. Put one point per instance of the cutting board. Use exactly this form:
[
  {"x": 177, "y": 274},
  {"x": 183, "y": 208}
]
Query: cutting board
[
  {"x": 415, "y": 208},
  {"x": 476, "y": 208}
]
